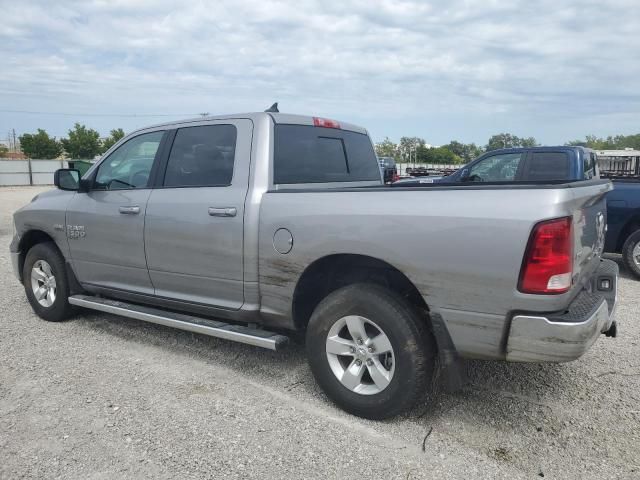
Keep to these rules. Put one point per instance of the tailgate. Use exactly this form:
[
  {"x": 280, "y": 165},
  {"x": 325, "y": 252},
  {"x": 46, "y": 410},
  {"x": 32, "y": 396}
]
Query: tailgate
[{"x": 587, "y": 205}]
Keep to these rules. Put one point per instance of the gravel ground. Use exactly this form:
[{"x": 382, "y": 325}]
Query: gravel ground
[{"x": 101, "y": 396}]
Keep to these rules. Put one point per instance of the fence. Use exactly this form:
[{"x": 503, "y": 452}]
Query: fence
[
  {"x": 29, "y": 172},
  {"x": 437, "y": 167}
]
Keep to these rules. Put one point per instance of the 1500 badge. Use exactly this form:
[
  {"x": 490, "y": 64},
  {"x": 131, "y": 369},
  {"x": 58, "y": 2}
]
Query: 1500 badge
[{"x": 76, "y": 231}]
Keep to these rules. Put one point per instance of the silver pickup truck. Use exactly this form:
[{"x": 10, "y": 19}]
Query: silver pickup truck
[{"x": 252, "y": 227}]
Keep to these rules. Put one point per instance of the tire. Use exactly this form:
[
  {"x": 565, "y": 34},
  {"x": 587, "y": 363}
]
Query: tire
[
  {"x": 401, "y": 375},
  {"x": 53, "y": 305},
  {"x": 630, "y": 245}
]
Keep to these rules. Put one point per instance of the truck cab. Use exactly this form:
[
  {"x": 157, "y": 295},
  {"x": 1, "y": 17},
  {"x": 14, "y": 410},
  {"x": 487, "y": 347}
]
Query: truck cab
[{"x": 538, "y": 164}]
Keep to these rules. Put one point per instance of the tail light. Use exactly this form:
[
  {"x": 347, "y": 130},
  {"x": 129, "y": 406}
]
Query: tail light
[
  {"x": 548, "y": 261},
  {"x": 325, "y": 122}
]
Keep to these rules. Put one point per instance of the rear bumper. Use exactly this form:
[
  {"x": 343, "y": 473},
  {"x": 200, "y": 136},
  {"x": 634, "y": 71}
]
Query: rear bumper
[
  {"x": 15, "y": 256},
  {"x": 15, "y": 263},
  {"x": 567, "y": 335}
]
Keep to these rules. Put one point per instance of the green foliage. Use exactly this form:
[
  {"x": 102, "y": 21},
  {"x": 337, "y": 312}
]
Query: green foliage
[
  {"x": 40, "y": 145},
  {"x": 387, "y": 148},
  {"x": 83, "y": 142},
  {"x": 618, "y": 142},
  {"x": 507, "y": 140},
  {"x": 112, "y": 139},
  {"x": 3, "y": 150},
  {"x": 466, "y": 151},
  {"x": 437, "y": 155},
  {"x": 409, "y": 143}
]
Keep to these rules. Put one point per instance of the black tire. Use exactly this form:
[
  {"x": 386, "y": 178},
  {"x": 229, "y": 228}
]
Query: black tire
[
  {"x": 414, "y": 349},
  {"x": 627, "y": 253},
  {"x": 60, "y": 309}
]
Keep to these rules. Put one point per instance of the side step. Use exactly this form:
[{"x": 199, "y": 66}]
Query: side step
[{"x": 213, "y": 328}]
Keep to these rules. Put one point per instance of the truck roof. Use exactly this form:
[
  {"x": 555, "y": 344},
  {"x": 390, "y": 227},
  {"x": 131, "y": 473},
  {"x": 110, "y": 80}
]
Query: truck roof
[
  {"x": 543, "y": 149},
  {"x": 278, "y": 118}
]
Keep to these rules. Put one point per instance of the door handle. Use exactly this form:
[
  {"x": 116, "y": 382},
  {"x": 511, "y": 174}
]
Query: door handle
[
  {"x": 223, "y": 211},
  {"x": 130, "y": 210}
]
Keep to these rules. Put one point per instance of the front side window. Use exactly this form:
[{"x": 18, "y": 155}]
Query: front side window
[
  {"x": 129, "y": 166},
  {"x": 202, "y": 156},
  {"x": 497, "y": 168}
]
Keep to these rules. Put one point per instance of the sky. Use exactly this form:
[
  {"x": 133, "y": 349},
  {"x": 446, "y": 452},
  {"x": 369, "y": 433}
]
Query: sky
[{"x": 440, "y": 70}]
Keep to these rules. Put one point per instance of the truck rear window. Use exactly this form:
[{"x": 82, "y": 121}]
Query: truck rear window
[
  {"x": 547, "y": 166},
  {"x": 306, "y": 154}
]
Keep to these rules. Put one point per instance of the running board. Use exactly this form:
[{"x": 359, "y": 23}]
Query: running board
[{"x": 213, "y": 328}]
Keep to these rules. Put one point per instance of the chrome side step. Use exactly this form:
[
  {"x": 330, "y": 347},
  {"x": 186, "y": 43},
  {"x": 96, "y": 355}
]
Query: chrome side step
[{"x": 213, "y": 328}]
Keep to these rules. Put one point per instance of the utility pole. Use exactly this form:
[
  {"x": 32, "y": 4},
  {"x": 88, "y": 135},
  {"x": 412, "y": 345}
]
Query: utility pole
[{"x": 15, "y": 145}]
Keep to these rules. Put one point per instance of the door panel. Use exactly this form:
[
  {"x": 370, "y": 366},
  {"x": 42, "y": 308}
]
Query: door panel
[
  {"x": 111, "y": 254},
  {"x": 194, "y": 234},
  {"x": 105, "y": 226}
]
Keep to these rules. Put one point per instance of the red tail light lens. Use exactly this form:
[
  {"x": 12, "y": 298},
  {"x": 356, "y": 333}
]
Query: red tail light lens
[
  {"x": 548, "y": 261},
  {"x": 325, "y": 122}
]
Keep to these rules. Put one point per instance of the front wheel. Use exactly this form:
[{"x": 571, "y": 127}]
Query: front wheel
[
  {"x": 631, "y": 253},
  {"x": 45, "y": 282},
  {"x": 370, "y": 351}
]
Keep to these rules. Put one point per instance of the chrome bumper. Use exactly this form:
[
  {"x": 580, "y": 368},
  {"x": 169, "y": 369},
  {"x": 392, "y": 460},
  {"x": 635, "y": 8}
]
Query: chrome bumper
[{"x": 567, "y": 335}]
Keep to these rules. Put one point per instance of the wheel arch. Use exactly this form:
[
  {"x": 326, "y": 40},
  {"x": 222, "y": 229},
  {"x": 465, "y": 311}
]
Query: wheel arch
[
  {"x": 334, "y": 271},
  {"x": 632, "y": 225},
  {"x": 27, "y": 241}
]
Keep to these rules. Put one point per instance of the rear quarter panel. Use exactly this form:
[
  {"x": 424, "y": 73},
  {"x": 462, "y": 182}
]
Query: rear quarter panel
[{"x": 461, "y": 247}]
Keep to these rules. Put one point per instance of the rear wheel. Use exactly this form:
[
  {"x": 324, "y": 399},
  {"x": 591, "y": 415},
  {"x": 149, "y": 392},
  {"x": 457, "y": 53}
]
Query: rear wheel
[
  {"x": 45, "y": 282},
  {"x": 370, "y": 351},
  {"x": 631, "y": 253}
]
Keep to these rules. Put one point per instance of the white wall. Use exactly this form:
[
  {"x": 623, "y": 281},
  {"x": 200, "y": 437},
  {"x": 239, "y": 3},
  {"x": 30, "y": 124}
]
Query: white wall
[{"x": 16, "y": 172}]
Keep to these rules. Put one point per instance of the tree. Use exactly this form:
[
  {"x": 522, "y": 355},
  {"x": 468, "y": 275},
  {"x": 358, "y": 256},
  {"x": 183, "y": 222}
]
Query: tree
[
  {"x": 619, "y": 142},
  {"x": 83, "y": 142},
  {"x": 507, "y": 140},
  {"x": 3, "y": 150},
  {"x": 387, "y": 148},
  {"x": 112, "y": 139},
  {"x": 528, "y": 142},
  {"x": 442, "y": 155},
  {"x": 40, "y": 145},
  {"x": 466, "y": 151}
]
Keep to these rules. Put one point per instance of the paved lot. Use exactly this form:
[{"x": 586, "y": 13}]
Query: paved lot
[{"x": 101, "y": 396}]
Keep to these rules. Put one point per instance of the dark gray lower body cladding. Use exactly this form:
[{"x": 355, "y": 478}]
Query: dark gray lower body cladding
[{"x": 213, "y": 328}]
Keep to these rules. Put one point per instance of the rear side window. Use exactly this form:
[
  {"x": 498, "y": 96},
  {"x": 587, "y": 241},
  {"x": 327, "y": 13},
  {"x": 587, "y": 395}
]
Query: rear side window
[
  {"x": 202, "y": 157},
  {"x": 547, "y": 166},
  {"x": 306, "y": 154}
]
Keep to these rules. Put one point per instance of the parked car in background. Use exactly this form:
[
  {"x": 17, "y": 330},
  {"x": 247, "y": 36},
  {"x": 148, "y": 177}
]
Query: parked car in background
[
  {"x": 388, "y": 168},
  {"x": 623, "y": 222},
  {"x": 247, "y": 227},
  {"x": 535, "y": 164}
]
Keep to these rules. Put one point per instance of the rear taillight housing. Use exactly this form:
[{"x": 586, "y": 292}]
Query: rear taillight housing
[
  {"x": 325, "y": 122},
  {"x": 548, "y": 261}
]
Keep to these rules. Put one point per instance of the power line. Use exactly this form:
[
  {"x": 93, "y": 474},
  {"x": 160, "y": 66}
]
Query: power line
[{"x": 67, "y": 114}]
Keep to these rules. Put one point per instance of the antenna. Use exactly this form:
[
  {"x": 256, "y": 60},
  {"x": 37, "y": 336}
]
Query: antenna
[{"x": 273, "y": 108}]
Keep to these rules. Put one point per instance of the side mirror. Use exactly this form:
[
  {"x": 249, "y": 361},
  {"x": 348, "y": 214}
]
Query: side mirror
[
  {"x": 464, "y": 175},
  {"x": 67, "y": 179}
]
